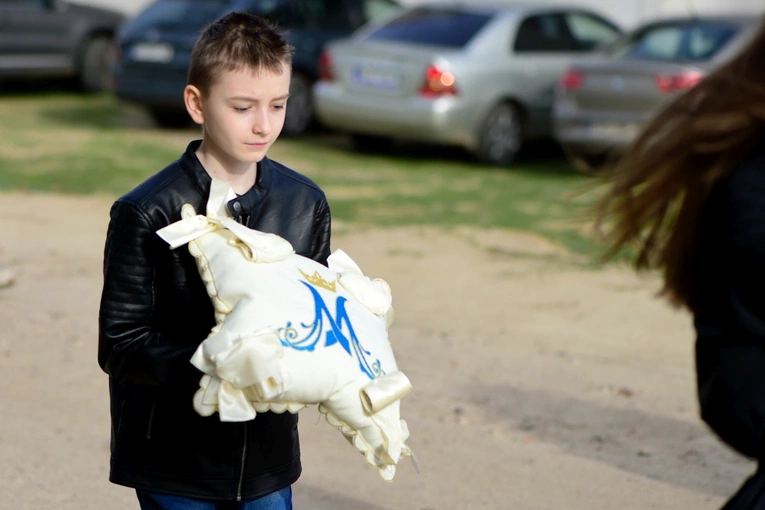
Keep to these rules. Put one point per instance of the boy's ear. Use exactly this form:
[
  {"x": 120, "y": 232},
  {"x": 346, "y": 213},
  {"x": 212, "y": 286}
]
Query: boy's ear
[{"x": 192, "y": 97}]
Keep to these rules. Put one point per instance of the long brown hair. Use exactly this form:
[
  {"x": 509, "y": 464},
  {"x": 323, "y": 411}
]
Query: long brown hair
[{"x": 657, "y": 190}]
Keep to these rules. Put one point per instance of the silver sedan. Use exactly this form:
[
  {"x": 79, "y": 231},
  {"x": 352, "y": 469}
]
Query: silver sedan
[
  {"x": 603, "y": 101},
  {"x": 478, "y": 77}
]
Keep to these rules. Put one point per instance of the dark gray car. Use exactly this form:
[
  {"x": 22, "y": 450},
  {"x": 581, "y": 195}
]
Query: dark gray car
[{"x": 57, "y": 38}]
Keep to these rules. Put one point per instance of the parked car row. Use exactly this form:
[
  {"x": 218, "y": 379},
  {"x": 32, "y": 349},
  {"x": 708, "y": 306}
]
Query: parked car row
[
  {"x": 487, "y": 78},
  {"x": 491, "y": 78},
  {"x": 478, "y": 77}
]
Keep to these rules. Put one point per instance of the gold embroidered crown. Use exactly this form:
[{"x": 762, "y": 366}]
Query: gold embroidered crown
[{"x": 318, "y": 281}]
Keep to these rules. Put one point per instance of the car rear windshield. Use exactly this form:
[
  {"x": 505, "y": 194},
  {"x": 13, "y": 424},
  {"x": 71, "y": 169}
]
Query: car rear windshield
[
  {"x": 432, "y": 26},
  {"x": 679, "y": 42},
  {"x": 186, "y": 15}
]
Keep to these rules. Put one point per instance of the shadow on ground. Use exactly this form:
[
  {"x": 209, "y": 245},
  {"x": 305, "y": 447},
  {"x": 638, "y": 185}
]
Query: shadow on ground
[
  {"x": 538, "y": 156},
  {"x": 104, "y": 112},
  {"x": 629, "y": 439},
  {"x": 10, "y": 87},
  {"x": 306, "y": 496}
]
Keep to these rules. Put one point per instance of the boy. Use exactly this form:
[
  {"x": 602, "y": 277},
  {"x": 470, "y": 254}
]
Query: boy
[{"x": 155, "y": 310}]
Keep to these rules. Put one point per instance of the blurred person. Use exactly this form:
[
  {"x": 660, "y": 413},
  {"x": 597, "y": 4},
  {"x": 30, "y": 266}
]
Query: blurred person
[
  {"x": 689, "y": 197},
  {"x": 155, "y": 310}
]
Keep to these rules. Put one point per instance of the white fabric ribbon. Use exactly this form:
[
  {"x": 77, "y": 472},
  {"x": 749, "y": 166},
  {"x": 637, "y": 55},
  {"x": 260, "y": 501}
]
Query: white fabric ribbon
[
  {"x": 375, "y": 294},
  {"x": 237, "y": 368},
  {"x": 263, "y": 247}
]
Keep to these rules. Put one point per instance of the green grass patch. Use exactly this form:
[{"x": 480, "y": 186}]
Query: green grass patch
[{"x": 73, "y": 143}]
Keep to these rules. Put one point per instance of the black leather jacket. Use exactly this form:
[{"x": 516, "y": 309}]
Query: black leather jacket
[
  {"x": 729, "y": 317},
  {"x": 155, "y": 312}
]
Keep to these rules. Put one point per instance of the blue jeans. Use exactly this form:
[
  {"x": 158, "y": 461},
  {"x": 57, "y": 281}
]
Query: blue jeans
[{"x": 279, "y": 500}]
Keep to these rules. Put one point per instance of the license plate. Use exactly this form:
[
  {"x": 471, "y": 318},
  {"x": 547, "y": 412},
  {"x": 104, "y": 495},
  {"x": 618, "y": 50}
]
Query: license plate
[
  {"x": 375, "y": 77},
  {"x": 614, "y": 131},
  {"x": 152, "y": 52}
]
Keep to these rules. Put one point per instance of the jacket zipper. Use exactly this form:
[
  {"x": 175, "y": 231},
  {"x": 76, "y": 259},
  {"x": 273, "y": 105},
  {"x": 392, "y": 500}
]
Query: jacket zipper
[
  {"x": 241, "y": 472},
  {"x": 151, "y": 419},
  {"x": 243, "y": 219}
]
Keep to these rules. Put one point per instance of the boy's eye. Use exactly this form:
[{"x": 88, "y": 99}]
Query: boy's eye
[
  {"x": 279, "y": 106},
  {"x": 242, "y": 108}
]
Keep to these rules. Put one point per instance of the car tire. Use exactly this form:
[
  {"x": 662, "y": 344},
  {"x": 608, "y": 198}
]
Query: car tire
[
  {"x": 501, "y": 136},
  {"x": 96, "y": 70},
  {"x": 170, "y": 118},
  {"x": 370, "y": 144},
  {"x": 300, "y": 112}
]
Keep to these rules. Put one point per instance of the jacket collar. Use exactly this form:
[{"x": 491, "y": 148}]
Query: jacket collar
[{"x": 201, "y": 179}]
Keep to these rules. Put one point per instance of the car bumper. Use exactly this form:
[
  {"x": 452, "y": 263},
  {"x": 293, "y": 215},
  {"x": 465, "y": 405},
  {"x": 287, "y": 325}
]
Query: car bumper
[
  {"x": 591, "y": 132},
  {"x": 447, "y": 120},
  {"x": 159, "y": 88}
]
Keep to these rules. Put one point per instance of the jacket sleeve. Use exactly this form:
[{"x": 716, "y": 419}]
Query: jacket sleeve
[
  {"x": 129, "y": 349},
  {"x": 320, "y": 248},
  {"x": 731, "y": 363}
]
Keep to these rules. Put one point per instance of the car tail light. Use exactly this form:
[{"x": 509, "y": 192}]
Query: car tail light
[
  {"x": 437, "y": 83},
  {"x": 326, "y": 73},
  {"x": 572, "y": 80},
  {"x": 669, "y": 83}
]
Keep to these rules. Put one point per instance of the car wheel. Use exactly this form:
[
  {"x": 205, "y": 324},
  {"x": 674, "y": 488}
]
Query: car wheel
[
  {"x": 170, "y": 117},
  {"x": 586, "y": 163},
  {"x": 96, "y": 71},
  {"x": 299, "y": 106},
  {"x": 501, "y": 136},
  {"x": 370, "y": 143}
]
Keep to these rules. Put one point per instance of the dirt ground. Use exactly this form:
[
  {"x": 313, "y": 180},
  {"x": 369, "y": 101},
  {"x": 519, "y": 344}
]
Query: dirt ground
[{"x": 537, "y": 385}]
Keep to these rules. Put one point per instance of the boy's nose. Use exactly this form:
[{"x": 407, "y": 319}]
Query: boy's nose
[{"x": 262, "y": 123}]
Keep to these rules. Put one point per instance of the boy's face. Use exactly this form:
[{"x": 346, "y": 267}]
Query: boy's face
[{"x": 243, "y": 113}]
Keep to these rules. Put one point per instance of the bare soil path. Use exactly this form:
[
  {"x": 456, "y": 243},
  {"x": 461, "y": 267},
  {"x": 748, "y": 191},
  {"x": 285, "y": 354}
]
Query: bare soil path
[{"x": 538, "y": 385}]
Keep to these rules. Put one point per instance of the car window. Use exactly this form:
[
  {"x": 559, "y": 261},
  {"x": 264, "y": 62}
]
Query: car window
[
  {"x": 23, "y": 3},
  {"x": 590, "y": 31},
  {"x": 440, "y": 27},
  {"x": 340, "y": 15},
  {"x": 663, "y": 42},
  {"x": 375, "y": 9},
  {"x": 183, "y": 14},
  {"x": 706, "y": 40},
  {"x": 282, "y": 12},
  {"x": 544, "y": 33}
]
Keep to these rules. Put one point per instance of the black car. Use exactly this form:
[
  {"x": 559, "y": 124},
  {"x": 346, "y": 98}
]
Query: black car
[
  {"x": 154, "y": 48},
  {"x": 54, "y": 38}
]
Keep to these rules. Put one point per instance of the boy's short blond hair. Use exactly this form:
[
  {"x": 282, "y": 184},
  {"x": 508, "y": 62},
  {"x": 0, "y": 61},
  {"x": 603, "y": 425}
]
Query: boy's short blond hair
[{"x": 235, "y": 41}]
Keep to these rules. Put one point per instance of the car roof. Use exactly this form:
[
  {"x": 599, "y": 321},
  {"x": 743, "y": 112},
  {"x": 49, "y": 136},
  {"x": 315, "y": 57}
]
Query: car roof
[{"x": 738, "y": 19}]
